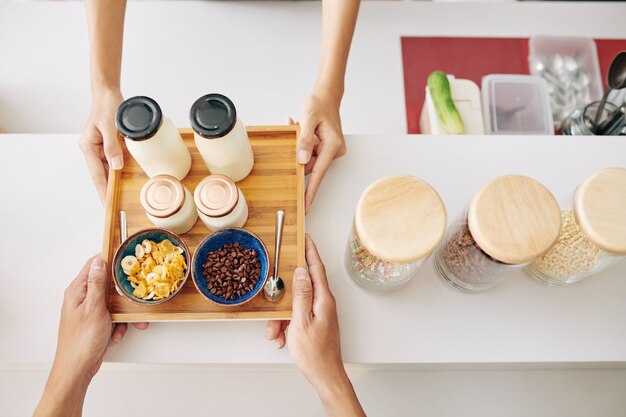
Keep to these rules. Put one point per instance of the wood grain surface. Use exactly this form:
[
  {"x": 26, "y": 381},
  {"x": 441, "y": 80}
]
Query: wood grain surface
[
  {"x": 275, "y": 183},
  {"x": 514, "y": 219},
  {"x": 600, "y": 207},
  {"x": 400, "y": 219}
]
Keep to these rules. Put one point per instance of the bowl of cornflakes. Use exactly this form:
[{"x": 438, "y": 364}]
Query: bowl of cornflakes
[{"x": 151, "y": 266}]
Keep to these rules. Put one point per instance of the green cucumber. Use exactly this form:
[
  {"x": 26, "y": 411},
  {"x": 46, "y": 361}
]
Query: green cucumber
[{"x": 448, "y": 115}]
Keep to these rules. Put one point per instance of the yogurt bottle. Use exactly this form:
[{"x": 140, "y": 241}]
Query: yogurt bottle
[
  {"x": 152, "y": 139},
  {"x": 220, "y": 203},
  {"x": 221, "y": 137},
  {"x": 168, "y": 204}
]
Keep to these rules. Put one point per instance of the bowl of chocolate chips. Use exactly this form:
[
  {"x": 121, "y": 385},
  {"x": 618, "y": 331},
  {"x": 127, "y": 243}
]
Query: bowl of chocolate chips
[{"x": 230, "y": 266}]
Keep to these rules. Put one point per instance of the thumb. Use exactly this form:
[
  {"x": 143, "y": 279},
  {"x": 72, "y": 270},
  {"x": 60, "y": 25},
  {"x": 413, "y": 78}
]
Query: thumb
[
  {"x": 306, "y": 141},
  {"x": 302, "y": 295},
  {"x": 97, "y": 280},
  {"x": 112, "y": 148}
]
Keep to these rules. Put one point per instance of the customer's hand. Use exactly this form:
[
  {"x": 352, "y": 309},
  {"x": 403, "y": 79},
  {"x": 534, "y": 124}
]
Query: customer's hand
[
  {"x": 313, "y": 337},
  {"x": 321, "y": 140},
  {"x": 83, "y": 337},
  {"x": 85, "y": 321},
  {"x": 99, "y": 142}
]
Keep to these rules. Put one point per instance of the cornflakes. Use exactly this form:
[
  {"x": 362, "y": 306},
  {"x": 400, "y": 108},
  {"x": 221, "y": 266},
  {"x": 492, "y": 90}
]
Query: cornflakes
[{"x": 156, "y": 271}]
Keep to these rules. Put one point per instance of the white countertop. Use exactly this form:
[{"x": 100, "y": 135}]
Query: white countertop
[
  {"x": 52, "y": 221},
  {"x": 264, "y": 55}
]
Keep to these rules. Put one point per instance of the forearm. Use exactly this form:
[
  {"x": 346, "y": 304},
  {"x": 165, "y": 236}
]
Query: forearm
[
  {"x": 105, "y": 19},
  {"x": 338, "y": 21},
  {"x": 63, "y": 396},
  {"x": 339, "y": 399}
]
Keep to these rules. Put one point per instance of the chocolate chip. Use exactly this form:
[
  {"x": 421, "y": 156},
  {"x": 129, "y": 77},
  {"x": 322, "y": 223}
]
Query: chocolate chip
[{"x": 232, "y": 271}]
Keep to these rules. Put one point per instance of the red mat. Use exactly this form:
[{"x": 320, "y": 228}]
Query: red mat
[{"x": 471, "y": 58}]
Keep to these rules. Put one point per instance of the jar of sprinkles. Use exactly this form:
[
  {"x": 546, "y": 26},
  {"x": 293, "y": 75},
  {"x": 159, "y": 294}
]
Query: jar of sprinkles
[
  {"x": 510, "y": 222},
  {"x": 593, "y": 232},
  {"x": 398, "y": 223}
]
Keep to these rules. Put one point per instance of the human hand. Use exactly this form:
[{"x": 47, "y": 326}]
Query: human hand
[
  {"x": 313, "y": 333},
  {"x": 85, "y": 324},
  {"x": 321, "y": 140},
  {"x": 99, "y": 142},
  {"x": 83, "y": 337},
  {"x": 313, "y": 337}
]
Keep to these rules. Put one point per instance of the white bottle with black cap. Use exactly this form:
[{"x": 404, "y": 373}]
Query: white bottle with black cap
[
  {"x": 220, "y": 137},
  {"x": 152, "y": 139}
]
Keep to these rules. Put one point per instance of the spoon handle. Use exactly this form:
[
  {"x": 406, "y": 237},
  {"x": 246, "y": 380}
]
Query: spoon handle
[
  {"x": 123, "y": 227},
  {"x": 596, "y": 120},
  {"x": 280, "y": 220}
]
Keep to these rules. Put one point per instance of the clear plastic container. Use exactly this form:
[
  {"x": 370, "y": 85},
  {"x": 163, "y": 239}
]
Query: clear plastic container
[
  {"x": 398, "y": 223},
  {"x": 516, "y": 105},
  {"x": 221, "y": 137},
  {"x": 571, "y": 68},
  {"x": 593, "y": 232},
  {"x": 510, "y": 222},
  {"x": 152, "y": 139},
  {"x": 168, "y": 204},
  {"x": 220, "y": 203}
]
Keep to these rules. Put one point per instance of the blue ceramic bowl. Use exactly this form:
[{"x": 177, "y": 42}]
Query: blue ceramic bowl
[
  {"x": 128, "y": 248},
  {"x": 216, "y": 241}
]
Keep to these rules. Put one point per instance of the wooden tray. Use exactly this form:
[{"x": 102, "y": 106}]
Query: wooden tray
[{"x": 275, "y": 183}]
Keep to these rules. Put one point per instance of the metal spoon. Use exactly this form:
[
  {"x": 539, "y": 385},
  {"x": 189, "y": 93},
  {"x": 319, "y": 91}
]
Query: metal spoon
[
  {"x": 275, "y": 287},
  {"x": 615, "y": 78}
]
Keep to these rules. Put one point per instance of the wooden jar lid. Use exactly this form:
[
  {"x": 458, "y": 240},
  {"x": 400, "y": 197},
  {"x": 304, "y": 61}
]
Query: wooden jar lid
[
  {"x": 514, "y": 219},
  {"x": 600, "y": 207},
  {"x": 400, "y": 219}
]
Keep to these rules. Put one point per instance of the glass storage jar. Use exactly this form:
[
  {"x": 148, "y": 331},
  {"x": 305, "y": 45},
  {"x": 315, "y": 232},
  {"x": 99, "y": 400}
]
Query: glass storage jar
[
  {"x": 168, "y": 204},
  {"x": 152, "y": 139},
  {"x": 510, "y": 221},
  {"x": 399, "y": 221},
  {"x": 220, "y": 203},
  {"x": 582, "y": 120},
  {"x": 593, "y": 233},
  {"x": 221, "y": 137}
]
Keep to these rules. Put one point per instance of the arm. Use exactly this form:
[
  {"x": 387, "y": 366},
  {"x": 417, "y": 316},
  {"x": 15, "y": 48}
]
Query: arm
[
  {"x": 313, "y": 338},
  {"x": 99, "y": 143},
  {"x": 105, "y": 19},
  {"x": 63, "y": 396},
  {"x": 321, "y": 138},
  {"x": 84, "y": 333},
  {"x": 338, "y": 22}
]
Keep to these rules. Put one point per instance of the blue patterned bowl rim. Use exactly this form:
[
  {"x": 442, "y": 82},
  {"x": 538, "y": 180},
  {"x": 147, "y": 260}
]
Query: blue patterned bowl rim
[{"x": 122, "y": 285}]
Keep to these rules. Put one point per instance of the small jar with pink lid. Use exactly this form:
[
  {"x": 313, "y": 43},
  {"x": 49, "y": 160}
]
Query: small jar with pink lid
[
  {"x": 168, "y": 204},
  {"x": 220, "y": 203}
]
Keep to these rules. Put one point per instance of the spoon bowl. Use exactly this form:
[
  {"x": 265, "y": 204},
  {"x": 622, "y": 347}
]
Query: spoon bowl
[
  {"x": 615, "y": 79},
  {"x": 275, "y": 287}
]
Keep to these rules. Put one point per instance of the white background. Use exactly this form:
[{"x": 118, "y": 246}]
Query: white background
[{"x": 44, "y": 88}]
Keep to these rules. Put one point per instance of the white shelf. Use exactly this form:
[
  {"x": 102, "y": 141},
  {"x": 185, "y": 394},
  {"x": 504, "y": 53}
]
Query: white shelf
[{"x": 521, "y": 321}]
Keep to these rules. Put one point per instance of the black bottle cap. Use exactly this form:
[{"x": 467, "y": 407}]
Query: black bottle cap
[
  {"x": 213, "y": 116},
  {"x": 138, "y": 118}
]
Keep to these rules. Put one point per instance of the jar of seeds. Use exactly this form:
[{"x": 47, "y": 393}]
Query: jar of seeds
[
  {"x": 510, "y": 221},
  {"x": 398, "y": 223},
  {"x": 593, "y": 232}
]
